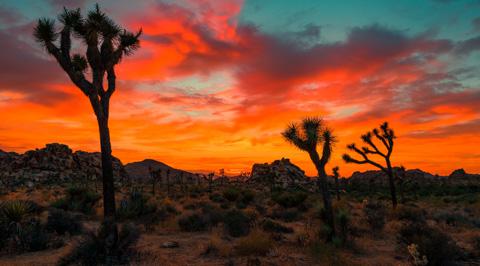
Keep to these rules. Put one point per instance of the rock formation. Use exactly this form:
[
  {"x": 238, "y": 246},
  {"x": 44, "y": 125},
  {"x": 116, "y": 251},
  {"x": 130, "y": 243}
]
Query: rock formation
[
  {"x": 52, "y": 164},
  {"x": 281, "y": 172}
]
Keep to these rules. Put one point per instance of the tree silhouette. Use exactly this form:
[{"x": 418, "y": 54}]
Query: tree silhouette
[
  {"x": 155, "y": 175},
  {"x": 106, "y": 44},
  {"x": 306, "y": 136},
  {"x": 336, "y": 175},
  {"x": 210, "y": 181},
  {"x": 168, "y": 182},
  {"x": 386, "y": 136}
]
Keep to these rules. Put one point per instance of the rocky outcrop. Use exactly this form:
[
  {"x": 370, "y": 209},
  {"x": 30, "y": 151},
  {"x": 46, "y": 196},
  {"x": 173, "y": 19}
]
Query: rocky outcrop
[
  {"x": 281, "y": 172},
  {"x": 54, "y": 163},
  {"x": 141, "y": 171},
  {"x": 413, "y": 177}
]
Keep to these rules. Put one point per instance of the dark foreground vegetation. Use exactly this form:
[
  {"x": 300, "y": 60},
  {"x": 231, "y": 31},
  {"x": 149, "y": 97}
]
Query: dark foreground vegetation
[{"x": 242, "y": 223}]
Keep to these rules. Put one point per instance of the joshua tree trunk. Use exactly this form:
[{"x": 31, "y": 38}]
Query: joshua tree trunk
[
  {"x": 323, "y": 187},
  {"x": 337, "y": 188},
  {"x": 391, "y": 181},
  {"x": 110, "y": 225}
]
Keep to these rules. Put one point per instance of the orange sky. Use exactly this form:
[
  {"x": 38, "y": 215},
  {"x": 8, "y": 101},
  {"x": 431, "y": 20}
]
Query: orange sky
[{"x": 208, "y": 91}]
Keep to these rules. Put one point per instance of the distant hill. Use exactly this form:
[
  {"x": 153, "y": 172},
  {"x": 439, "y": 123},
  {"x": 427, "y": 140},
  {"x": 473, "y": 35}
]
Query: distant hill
[{"x": 140, "y": 170}]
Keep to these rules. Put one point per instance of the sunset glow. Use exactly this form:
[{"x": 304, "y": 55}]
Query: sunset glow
[{"x": 215, "y": 82}]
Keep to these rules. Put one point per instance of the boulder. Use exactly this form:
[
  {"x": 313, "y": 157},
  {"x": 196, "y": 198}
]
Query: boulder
[{"x": 282, "y": 172}]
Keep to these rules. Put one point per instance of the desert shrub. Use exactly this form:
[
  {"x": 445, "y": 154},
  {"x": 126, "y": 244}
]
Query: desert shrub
[
  {"x": 375, "y": 213},
  {"x": 193, "y": 223},
  {"x": 217, "y": 197},
  {"x": 342, "y": 218},
  {"x": 274, "y": 227},
  {"x": 257, "y": 243},
  {"x": 410, "y": 214},
  {"x": 213, "y": 216},
  {"x": 326, "y": 254},
  {"x": 62, "y": 222},
  {"x": 4, "y": 233},
  {"x": 216, "y": 247},
  {"x": 240, "y": 205},
  {"x": 247, "y": 196},
  {"x": 135, "y": 206},
  {"x": 236, "y": 223},
  {"x": 452, "y": 218},
  {"x": 32, "y": 236},
  {"x": 231, "y": 194},
  {"x": 77, "y": 199},
  {"x": 16, "y": 211},
  {"x": 289, "y": 199},
  {"x": 91, "y": 249},
  {"x": 286, "y": 215},
  {"x": 438, "y": 247}
]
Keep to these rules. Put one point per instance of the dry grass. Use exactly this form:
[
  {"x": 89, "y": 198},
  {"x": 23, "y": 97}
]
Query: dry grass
[{"x": 256, "y": 243}]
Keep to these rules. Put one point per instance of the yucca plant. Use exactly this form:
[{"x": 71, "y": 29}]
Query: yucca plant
[{"x": 16, "y": 211}]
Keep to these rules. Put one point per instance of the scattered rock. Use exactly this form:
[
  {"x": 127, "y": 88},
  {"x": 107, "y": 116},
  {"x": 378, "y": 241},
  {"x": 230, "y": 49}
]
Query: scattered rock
[{"x": 170, "y": 244}]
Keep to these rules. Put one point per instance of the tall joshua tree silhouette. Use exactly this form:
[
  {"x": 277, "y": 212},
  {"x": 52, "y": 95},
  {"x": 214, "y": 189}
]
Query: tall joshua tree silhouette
[
  {"x": 386, "y": 136},
  {"x": 306, "y": 136},
  {"x": 106, "y": 44},
  {"x": 336, "y": 175}
]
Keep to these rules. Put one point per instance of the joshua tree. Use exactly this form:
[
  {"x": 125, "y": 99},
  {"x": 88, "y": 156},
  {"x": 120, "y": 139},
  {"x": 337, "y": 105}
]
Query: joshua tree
[
  {"x": 306, "y": 136},
  {"x": 401, "y": 179},
  {"x": 221, "y": 172},
  {"x": 210, "y": 181},
  {"x": 336, "y": 175},
  {"x": 155, "y": 176},
  {"x": 106, "y": 44},
  {"x": 386, "y": 136},
  {"x": 168, "y": 182}
]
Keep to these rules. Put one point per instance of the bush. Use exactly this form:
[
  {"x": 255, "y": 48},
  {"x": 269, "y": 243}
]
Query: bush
[
  {"x": 77, "y": 199},
  {"x": 15, "y": 212},
  {"x": 32, "y": 236},
  {"x": 236, "y": 223},
  {"x": 289, "y": 199},
  {"x": 375, "y": 215},
  {"x": 91, "y": 249},
  {"x": 343, "y": 225},
  {"x": 247, "y": 196},
  {"x": 452, "y": 218},
  {"x": 216, "y": 197},
  {"x": 438, "y": 247},
  {"x": 193, "y": 223},
  {"x": 411, "y": 214},
  {"x": 257, "y": 243},
  {"x": 286, "y": 215},
  {"x": 274, "y": 227},
  {"x": 135, "y": 206},
  {"x": 61, "y": 222},
  {"x": 200, "y": 221},
  {"x": 231, "y": 194}
]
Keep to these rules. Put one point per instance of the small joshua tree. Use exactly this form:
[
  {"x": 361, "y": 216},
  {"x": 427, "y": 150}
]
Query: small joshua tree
[
  {"x": 306, "y": 136},
  {"x": 168, "y": 182},
  {"x": 336, "y": 175},
  {"x": 210, "y": 181},
  {"x": 386, "y": 136},
  {"x": 155, "y": 176},
  {"x": 106, "y": 44}
]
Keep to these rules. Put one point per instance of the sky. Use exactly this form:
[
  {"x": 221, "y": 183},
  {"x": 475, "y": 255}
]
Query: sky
[{"x": 216, "y": 82}]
